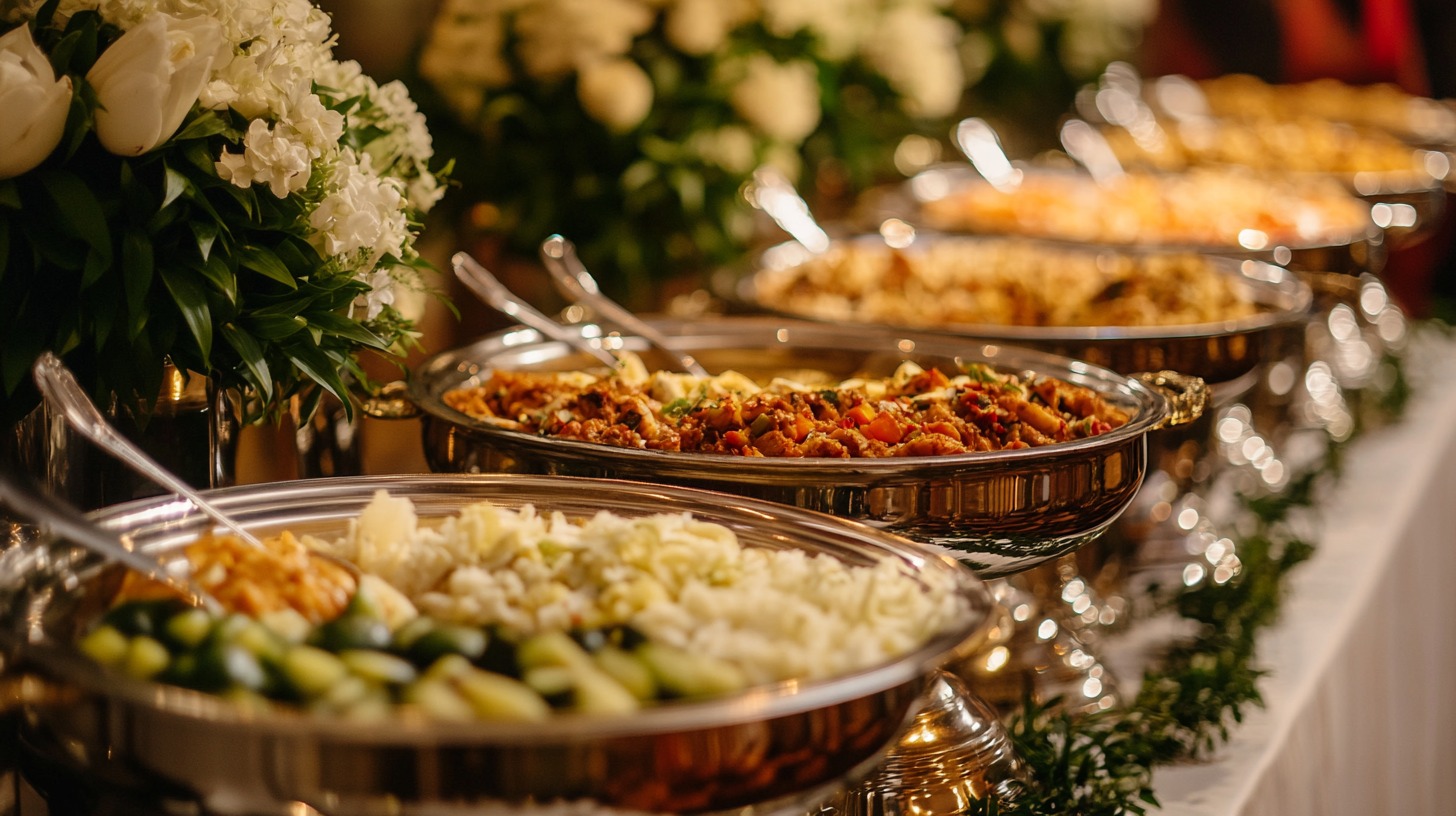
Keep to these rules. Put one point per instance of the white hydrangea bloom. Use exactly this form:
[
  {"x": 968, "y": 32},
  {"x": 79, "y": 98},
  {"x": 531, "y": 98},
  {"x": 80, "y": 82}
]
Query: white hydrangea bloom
[
  {"x": 467, "y": 45},
  {"x": 839, "y": 25},
  {"x": 276, "y": 157},
  {"x": 700, "y": 27},
  {"x": 781, "y": 100},
  {"x": 382, "y": 292},
  {"x": 318, "y": 127},
  {"x": 914, "y": 48},
  {"x": 615, "y": 92},
  {"x": 361, "y": 220},
  {"x": 559, "y": 36}
]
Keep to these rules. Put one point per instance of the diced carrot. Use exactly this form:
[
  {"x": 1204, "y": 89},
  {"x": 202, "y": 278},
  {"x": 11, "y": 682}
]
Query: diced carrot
[
  {"x": 885, "y": 428},
  {"x": 861, "y": 414},
  {"x": 803, "y": 424},
  {"x": 735, "y": 439}
]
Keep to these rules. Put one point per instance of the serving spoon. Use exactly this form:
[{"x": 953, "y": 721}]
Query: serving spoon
[
  {"x": 59, "y": 387},
  {"x": 499, "y": 297},
  {"x": 771, "y": 193},
  {"x": 63, "y": 520},
  {"x": 1090, "y": 149},
  {"x": 574, "y": 281},
  {"x": 979, "y": 142}
]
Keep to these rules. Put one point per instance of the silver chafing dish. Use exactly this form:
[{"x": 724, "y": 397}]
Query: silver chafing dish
[
  {"x": 1218, "y": 351},
  {"x": 929, "y": 198},
  {"x": 786, "y": 745},
  {"x": 999, "y": 511}
]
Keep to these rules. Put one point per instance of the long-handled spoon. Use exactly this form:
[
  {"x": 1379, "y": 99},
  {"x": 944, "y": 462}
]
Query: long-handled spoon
[
  {"x": 65, "y": 521},
  {"x": 979, "y": 142},
  {"x": 1091, "y": 150},
  {"x": 577, "y": 284},
  {"x": 777, "y": 198},
  {"x": 59, "y": 387},
  {"x": 489, "y": 289}
]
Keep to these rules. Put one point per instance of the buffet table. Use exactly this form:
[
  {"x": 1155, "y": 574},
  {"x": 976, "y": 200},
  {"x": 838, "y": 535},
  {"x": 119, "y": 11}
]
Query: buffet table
[{"x": 1359, "y": 716}]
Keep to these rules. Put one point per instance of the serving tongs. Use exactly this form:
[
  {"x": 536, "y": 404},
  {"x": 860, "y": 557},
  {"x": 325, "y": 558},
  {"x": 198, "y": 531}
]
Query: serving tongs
[
  {"x": 499, "y": 297},
  {"x": 66, "y": 521},
  {"x": 577, "y": 284}
]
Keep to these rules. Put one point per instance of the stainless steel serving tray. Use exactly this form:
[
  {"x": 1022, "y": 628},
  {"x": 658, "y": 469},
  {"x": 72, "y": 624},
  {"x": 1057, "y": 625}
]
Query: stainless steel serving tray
[
  {"x": 999, "y": 511},
  {"x": 1217, "y": 352},
  {"x": 1356, "y": 253},
  {"x": 784, "y": 745}
]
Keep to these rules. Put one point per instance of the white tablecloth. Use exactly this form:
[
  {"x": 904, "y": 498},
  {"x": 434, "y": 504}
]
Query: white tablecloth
[{"x": 1361, "y": 701}]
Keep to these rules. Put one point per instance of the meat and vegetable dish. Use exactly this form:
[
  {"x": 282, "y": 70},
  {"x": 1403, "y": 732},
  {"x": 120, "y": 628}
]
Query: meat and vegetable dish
[
  {"x": 502, "y": 614},
  {"x": 915, "y": 412}
]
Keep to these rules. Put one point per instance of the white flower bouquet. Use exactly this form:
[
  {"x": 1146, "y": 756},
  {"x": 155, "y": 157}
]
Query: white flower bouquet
[
  {"x": 201, "y": 182},
  {"x": 630, "y": 126}
]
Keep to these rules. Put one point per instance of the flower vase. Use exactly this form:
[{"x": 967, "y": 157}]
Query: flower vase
[{"x": 192, "y": 430}]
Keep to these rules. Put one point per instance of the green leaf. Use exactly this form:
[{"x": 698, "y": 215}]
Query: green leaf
[
  {"x": 9, "y": 194},
  {"x": 206, "y": 233},
  {"x": 191, "y": 300},
  {"x": 174, "y": 185},
  {"x": 267, "y": 264},
  {"x": 348, "y": 329},
  {"x": 323, "y": 369},
  {"x": 80, "y": 211},
  {"x": 309, "y": 403},
  {"x": 207, "y": 123},
  {"x": 252, "y": 356},
  {"x": 221, "y": 276},
  {"x": 275, "y": 328},
  {"x": 95, "y": 266},
  {"x": 137, "y": 266}
]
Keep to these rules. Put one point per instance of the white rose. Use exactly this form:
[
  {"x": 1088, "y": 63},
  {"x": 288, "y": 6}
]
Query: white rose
[
  {"x": 781, "y": 100},
  {"x": 616, "y": 93},
  {"x": 34, "y": 101},
  {"x": 697, "y": 27},
  {"x": 149, "y": 78}
]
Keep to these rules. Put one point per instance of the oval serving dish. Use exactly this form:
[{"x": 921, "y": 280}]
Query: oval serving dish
[
  {"x": 789, "y": 280},
  {"x": 999, "y": 511},
  {"x": 788, "y": 744}
]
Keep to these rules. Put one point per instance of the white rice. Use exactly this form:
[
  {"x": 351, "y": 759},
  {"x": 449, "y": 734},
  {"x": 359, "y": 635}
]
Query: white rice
[{"x": 777, "y": 614}]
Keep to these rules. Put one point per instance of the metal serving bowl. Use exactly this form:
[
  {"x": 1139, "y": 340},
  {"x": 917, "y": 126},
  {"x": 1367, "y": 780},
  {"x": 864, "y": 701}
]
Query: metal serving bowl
[
  {"x": 999, "y": 511},
  {"x": 1357, "y": 250},
  {"x": 1217, "y": 352},
  {"x": 785, "y": 745}
]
